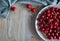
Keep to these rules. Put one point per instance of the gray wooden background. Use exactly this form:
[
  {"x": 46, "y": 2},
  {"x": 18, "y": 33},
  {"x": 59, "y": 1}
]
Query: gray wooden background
[{"x": 19, "y": 26}]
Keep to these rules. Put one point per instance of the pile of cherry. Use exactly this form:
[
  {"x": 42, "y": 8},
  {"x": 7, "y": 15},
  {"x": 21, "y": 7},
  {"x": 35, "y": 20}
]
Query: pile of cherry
[{"x": 49, "y": 23}]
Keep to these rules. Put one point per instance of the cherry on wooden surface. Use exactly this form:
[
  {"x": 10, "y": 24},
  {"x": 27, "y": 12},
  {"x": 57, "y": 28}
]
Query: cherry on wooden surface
[
  {"x": 33, "y": 10},
  {"x": 29, "y": 6},
  {"x": 13, "y": 9}
]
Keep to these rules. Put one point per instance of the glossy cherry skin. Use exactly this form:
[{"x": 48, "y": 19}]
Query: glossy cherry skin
[
  {"x": 13, "y": 8},
  {"x": 46, "y": 31},
  {"x": 50, "y": 31},
  {"x": 55, "y": 37},
  {"x": 52, "y": 13},
  {"x": 56, "y": 9},
  {"x": 50, "y": 37},
  {"x": 55, "y": 24},
  {"x": 56, "y": 33},
  {"x": 58, "y": 16},
  {"x": 42, "y": 16},
  {"x": 40, "y": 20},
  {"x": 48, "y": 11},
  {"x": 52, "y": 34},
  {"x": 59, "y": 37},
  {"x": 48, "y": 14},
  {"x": 29, "y": 6},
  {"x": 54, "y": 17},
  {"x": 42, "y": 29},
  {"x": 47, "y": 28},
  {"x": 52, "y": 8},
  {"x": 49, "y": 20},
  {"x": 33, "y": 10},
  {"x": 58, "y": 28},
  {"x": 50, "y": 26},
  {"x": 48, "y": 34},
  {"x": 57, "y": 13},
  {"x": 43, "y": 22},
  {"x": 41, "y": 25},
  {"x": 54, "y": 30},
  {"x": 56, "y": 20}
]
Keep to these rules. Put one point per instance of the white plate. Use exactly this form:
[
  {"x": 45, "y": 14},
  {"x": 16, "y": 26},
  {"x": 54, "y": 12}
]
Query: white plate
[{"x": 36, "y": 22}]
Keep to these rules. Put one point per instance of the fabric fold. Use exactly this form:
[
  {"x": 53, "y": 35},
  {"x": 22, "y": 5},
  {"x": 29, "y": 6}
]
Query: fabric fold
[{"x": 5, "y": 5}]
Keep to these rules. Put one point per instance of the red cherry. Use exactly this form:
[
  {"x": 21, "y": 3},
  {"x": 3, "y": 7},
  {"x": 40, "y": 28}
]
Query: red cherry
[
  {"x": 58, "y": 16},
  {"x": 59, "y": 37},
  {"x": 46, "y": 31},
  {"x": 48, "y": 11},
  {"x": 42, "y": 29},
  {"x": 59, "y": 10},
  {"x": 13, "y": 8},
  {"x": 33, "y": 10},
  {"x": 56, "y": 33},
  {"x": 49, "y": 20},
  {"x": 43, "y": 22},
  {"x": 40, "y": 20},
  {"x": 54, "y": 30},
  {"x": 59, "y": 25},
  {"x": 57, "y": 13},
  {"x": 41, "y": 25},
  {"x": 52, "y": 34},
  {"x": 29, "y": 6},
  {"x": 55, "y": 24},
  {"x": 46, "y": 17},
  {"x": 44, "y": 13},
  {"x": 54, "y": 17},
  {"x": 51, "y": 12},
  {"x": 50, "y": 37},
  {"x": 51, "y": 16},
  {"x": 51, "y": 26},
  {"x": 47, "y": 28},
  {"x": 48, "y": 34},
  {"x": 42, "y": 16},
  {"x": 56, "y": 9},
  {"x": 52, "y": 8},
  {"x": 58, "y": 28},
  {"x": 56, "y": 20},
  {"x": 54, "y": 37},
  {"x": 48, "y": 14},
  {"x": 50, "y": 30}
]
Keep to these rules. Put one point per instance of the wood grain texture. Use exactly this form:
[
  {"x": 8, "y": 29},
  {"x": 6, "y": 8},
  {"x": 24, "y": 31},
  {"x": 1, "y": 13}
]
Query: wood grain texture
[{"x": 11, "y": 29}]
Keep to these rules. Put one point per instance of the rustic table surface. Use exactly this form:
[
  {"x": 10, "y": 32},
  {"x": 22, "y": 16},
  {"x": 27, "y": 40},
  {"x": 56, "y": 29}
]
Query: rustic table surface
[{"x": 19, "y": 26}]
